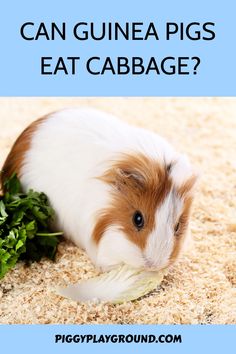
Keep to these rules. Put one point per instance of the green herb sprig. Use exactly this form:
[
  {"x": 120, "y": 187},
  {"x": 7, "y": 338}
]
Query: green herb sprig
[{"x": 24, "y": 226}]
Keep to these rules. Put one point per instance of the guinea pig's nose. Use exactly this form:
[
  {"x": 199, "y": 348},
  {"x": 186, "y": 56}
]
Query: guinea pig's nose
[
  {"x": 149, "y": 263},
  {"x": 153, "y": 266}
]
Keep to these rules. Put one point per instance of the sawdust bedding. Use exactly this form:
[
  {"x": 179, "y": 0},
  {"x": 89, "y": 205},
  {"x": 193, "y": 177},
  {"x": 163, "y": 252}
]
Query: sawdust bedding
[{"x": 201, "y": 287}]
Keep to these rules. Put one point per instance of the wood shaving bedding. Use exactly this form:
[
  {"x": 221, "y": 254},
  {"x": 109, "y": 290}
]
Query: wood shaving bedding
[{"x": 201, "y": 287}]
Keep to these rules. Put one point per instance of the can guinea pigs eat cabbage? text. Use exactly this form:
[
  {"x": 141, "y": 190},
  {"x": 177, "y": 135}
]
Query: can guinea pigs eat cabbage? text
[{"x": 120, "y": 192}]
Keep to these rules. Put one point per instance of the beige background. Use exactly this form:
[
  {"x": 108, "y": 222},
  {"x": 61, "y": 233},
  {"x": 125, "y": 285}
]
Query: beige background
[{"x": 201, "y": 287}]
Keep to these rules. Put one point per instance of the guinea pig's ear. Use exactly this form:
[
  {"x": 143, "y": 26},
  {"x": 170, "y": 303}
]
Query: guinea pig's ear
[
  {"x": 122, "y": 179},
  {"x": 189, "y": 186},
  {"x": 130, "y": 177},
  {"x": 183, "y": 175}
]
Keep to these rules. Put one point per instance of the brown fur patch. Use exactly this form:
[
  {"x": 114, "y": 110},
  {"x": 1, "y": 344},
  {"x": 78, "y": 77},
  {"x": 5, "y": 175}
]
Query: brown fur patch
[
  {"x": 186, "y": 193},
  {"x": 139, "y": 183},
  {"x": 179, "y": 237},
  {"x": 15, "y": 158}
]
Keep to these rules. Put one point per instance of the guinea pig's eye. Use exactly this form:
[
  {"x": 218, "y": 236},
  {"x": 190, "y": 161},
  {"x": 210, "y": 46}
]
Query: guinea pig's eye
[
  {"x": 177, "y": 227},
  {"x": 138, "y": 220}
]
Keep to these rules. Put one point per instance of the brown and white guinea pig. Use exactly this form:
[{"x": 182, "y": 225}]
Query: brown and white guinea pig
[{"x": 121, "y": 193}]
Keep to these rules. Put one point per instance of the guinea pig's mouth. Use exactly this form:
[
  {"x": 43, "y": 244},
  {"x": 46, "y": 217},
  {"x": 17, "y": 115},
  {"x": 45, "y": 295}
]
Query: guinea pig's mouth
[{"x": 152, "y": 266}]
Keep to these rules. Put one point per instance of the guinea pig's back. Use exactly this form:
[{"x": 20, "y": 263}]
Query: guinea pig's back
[
  {"x": 61, "y": 154},
  {"x": 69, "y": 146}
]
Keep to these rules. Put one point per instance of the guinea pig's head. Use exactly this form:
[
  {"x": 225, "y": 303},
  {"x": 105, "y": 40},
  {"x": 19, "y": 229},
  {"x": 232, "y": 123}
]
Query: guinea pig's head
[{"x": 147, "y": 220}]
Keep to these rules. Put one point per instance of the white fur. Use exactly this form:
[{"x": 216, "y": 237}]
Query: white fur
[
  {"x": 73, "y": 147},
  {"x": 115, "y": 248},
  {"x": 160, "y": 242}
]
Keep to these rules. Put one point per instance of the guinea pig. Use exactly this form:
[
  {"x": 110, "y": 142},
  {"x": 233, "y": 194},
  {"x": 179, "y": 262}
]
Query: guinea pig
[{"x": 119, "y": 192}]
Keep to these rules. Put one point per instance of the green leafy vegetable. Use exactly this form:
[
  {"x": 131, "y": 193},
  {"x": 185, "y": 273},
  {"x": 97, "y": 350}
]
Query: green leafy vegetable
[{"x": 24, "y": 226}]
